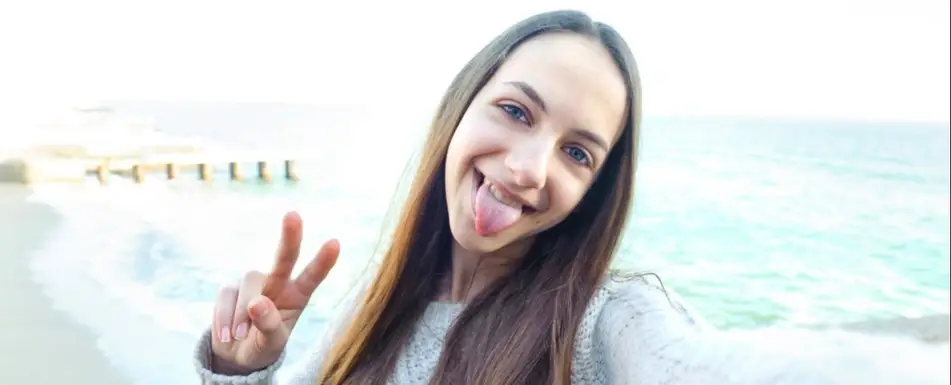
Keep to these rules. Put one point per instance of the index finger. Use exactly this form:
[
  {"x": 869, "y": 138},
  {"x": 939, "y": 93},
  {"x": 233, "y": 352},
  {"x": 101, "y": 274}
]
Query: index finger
[
  {"x": 288, "y": 249},
  {"x": 317, "y": 269}
]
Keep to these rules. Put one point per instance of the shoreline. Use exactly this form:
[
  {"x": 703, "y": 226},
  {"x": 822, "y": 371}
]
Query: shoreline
[
  {"x": 47, "y": 347},
  {"x": 50, "y": 347},
  {"x": 930, "y": 329}
]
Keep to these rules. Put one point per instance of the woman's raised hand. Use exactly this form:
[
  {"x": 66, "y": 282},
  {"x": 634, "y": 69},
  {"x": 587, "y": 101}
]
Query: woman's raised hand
[{"x": 253, "y": 320}]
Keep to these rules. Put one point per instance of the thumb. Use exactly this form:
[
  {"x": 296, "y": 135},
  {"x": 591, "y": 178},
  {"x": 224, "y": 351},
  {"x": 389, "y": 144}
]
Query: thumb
[{"x": 266, "y": 318}]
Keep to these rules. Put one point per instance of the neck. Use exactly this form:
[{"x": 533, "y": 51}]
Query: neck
[{"x": 472, "y": 272}]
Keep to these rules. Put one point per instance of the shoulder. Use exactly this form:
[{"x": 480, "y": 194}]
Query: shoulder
[
  {"x": 629, "y": 315},
  {"x": 623, "y": 298},
  {"x": 627, "y": 298}
]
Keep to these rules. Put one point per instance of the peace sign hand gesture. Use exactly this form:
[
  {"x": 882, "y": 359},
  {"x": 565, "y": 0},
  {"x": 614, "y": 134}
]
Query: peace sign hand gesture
[{"x": 254, "y": 320}]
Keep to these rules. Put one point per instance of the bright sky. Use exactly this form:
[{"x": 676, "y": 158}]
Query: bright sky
[{"x": 871, "y": 59}]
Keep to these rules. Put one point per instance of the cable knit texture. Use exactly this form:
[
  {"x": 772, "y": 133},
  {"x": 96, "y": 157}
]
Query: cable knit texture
[{"x": 633, "y": 333}]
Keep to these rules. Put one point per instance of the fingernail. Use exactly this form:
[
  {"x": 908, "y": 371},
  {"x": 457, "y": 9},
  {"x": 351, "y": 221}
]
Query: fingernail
[
  {"x": 241, "y": 332},
  {"x": 225, "y": 335},
  {"x": 258, "y": 307}
]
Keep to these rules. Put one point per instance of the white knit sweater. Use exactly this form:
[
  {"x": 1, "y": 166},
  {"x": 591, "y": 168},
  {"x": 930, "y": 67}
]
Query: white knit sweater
[{"x": 633, "y": 334}]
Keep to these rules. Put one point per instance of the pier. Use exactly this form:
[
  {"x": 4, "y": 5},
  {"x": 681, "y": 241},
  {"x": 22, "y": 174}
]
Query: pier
[
  {"x": 36, "y": 167},
  {"x": 202, "y": 167},
  {"x": 93, "y": 144},
  {"x": 48, "y": 163}
]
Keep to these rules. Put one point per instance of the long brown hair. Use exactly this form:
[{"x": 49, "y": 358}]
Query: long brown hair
[{"x": 521, "y": 329}]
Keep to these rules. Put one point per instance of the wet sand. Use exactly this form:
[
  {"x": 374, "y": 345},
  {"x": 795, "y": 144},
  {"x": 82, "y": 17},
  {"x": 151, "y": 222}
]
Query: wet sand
[{"x": 43, "y": 346}]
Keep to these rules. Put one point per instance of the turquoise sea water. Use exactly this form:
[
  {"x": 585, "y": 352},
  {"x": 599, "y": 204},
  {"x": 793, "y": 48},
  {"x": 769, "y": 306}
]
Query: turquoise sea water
[{"x": 753, "y": 222}]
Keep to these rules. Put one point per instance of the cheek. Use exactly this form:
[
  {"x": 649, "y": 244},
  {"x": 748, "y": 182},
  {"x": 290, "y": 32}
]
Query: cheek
[
  {"x": 458, "y": 145},
  {"x": 474, "y": 136},
  {"x": 564, "y": 199},
  {"x": 569, "y": 197}
]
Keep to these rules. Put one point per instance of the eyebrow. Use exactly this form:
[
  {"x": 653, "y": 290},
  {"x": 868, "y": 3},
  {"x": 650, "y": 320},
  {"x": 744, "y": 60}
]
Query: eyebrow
[
  {"x": 595, "y": 138},
  {"x": 532, "y": 94}
]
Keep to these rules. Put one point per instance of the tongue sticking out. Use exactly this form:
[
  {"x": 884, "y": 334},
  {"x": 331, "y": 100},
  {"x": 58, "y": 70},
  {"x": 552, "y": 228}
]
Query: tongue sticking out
[{"x": 492, "y": 216}]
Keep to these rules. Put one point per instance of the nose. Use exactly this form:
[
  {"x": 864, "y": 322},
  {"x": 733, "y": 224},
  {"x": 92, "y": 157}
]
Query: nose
[{"x": 528, "y": 163}]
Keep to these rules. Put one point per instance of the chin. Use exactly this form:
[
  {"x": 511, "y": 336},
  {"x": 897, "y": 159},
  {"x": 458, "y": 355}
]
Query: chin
[{"x": 465, "y": 236}]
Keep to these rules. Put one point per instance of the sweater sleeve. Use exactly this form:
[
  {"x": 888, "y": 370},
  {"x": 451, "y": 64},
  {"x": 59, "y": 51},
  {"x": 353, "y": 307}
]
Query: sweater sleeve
[
  {"x": 646, "y": 337},
  {"x": 302, "y": 372},
  {"x": 208, "y": 377}
]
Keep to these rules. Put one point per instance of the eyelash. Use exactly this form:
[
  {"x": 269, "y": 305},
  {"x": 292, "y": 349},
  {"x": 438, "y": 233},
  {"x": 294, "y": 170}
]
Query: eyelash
[
  {"x": 512, "y": 110},
  {"x": 586, "y": 159},
  {"x": 519, "y": 114}
]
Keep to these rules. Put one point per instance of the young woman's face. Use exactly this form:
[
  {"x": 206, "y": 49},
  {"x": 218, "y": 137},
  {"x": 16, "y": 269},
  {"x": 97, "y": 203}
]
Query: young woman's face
[{"x": 532, "y": 141}]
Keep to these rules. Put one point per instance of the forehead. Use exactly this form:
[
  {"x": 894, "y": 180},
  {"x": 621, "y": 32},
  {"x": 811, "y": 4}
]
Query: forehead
[{"x": 575, "y": 76}]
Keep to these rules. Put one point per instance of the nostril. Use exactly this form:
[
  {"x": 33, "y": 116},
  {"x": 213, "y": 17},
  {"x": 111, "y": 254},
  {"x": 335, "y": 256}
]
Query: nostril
[
  {"x": 526, "y": 180},
  {"x": 528, "y": 171}
]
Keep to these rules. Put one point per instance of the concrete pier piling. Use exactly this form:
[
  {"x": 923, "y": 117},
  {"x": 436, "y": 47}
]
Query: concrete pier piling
[
  {"x": 35, "y": 169},
  {"x": 290, "y": 170},
  {"x": 234, "y": 171},
  {"x": 171, "y": 171},
  {"x": 264, "y": 172}
]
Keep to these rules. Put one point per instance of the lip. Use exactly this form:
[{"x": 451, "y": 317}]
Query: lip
[{"x": 478, "y": 179}]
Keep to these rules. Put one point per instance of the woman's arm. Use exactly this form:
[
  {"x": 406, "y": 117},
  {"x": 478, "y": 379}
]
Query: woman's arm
[{"x": 646, "y": 339}]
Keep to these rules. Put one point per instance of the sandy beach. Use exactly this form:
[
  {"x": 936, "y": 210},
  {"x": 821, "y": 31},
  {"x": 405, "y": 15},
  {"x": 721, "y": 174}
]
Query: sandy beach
[{"x": 43, "y": 346}]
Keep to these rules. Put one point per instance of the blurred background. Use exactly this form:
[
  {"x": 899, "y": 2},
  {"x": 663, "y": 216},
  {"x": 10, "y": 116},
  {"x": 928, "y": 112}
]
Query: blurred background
[{"x": 795, "y": 166}]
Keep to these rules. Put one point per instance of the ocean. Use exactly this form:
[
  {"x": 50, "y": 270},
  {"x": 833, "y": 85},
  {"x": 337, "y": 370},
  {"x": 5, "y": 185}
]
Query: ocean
[{"x": 755, "y": 222}]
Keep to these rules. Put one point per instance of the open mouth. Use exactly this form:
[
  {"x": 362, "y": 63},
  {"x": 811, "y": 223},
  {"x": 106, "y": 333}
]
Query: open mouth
[
  {"x": 498, "y": 193},
  {"x": 494, "y": 208}
]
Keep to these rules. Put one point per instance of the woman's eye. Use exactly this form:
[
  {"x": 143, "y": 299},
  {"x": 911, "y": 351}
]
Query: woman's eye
[
  {"x": 515, "y": 112},
  {"x": 578, "y": 155}
]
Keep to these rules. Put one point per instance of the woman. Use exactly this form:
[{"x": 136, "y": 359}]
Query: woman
[{"x": 498, "y": 269}]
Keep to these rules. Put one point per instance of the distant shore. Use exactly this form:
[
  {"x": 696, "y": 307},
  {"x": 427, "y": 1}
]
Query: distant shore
[
  {"x": 45, "y": 347},
  {"x": 931, "y": 329}
]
